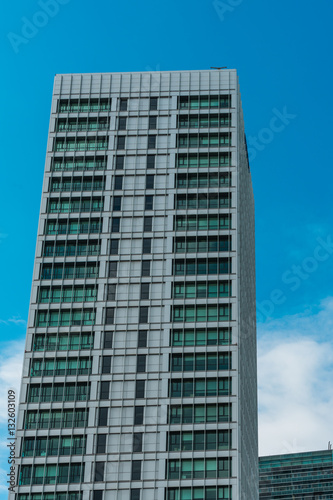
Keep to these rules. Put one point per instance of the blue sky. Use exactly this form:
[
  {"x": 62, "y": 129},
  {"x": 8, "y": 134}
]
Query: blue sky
[{"x": 282, "y": 51}]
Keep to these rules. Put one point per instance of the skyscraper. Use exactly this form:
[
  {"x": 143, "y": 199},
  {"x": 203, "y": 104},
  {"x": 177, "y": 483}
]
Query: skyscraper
[{"x": 139, "y": 379}]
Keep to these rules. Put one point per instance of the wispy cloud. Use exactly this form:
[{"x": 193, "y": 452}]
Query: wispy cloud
[
  {"x": 295, "y": 370},
  {"x": 15, "y": 321}
]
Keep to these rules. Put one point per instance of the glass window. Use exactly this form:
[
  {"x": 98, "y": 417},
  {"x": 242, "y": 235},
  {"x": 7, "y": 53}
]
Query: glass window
[
  {"x": 103, "y": 416},
  {"x": 146, "y": 246},
  {"x": 136, "y": 470},
  {"x": 150, "y": 181},
  {"x": 149, "y": 200},
  {"x": 104, "y": 390},
  {"x": 151, "y": 161},
  {"x": 120, "y": 162},
  {"x": 151, "y": 142},
  {"x": 109, "y": 315},
  {"x": 115, "y": 225},
  {"x": 147, "y": 223},
  {"x": 122, "y": 123},
  {"x": 138, "y": 415},
  {"x": 118, "y": 182},
  {"x": 99, "y": 471},
  {"x": 141, "y": 363},
  {"x": 144, "y": 291},
  {"x": 135, "y": 494},
  {"x": 111, "y": 291},
  {"x": 106, "y": 364},
  {"x": 101, "y": 443},
  {"x": 116, "y": 203},
  {"x": 152, "y": 122},
  {"x": 137, "y": 441},
  {"x": 113, "y": 266},
  {"x": 108, "y": 340},
  {"x": 114, "y": 245},
  {"x": 123, "y": 104},
  {"x": 143, "y": 314},
  {"x": 121, "y": 142},
  {"x": 140, "y": 389},
  {"x": 145, "y": 269},
  {"x": 153, "y": 103}
]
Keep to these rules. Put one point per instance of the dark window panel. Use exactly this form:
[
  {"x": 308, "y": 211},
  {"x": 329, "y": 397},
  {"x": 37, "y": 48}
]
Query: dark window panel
[
  {"x": 137, "y": 441},
  {"x": 113, "y": 266},
  {"x": 115, "y": 224},
  {"x": 138, "y": 415},
  {"x": 101, "y": 443},
  {"x": 123, "y": 104},
  {"x": 142, "y": 338},
  {"x": 116, "y": 203},
  {"x": 150, "y": 181},
  {"x": 144, "y": 291},
  {"x": 121, "y": 142},
  {"x": 141, "y": 363},
  {"x": 114, "y": 247},
  {"x": 145, "y": 268},
  {"x": 146, "y": 245},
  {"x": 99, "y": 471},
  {"x": 111, "y": 292},
  {"x": 143, "y": 314},
  {"x": 105, "y": 390},
  {"x": 152, "y": 122},
  {"x": 103, "y": 417},
  {"x": 148, "y": 223},
  {"x": 109, "y": 315},
  {"x": 151, "y": 142},
  {"x": 140, "y": 389},
  {"x": 106, "y": 364},
  {"x": 120, "y": 162},
  {"x": 135, "y": 494},
  {"x": 136, "y": 470},
  {"x": 108, "y": 340},
  {"x": 118, "y": 182},
  {"x": 151, "y": 161},
  {"x": 149, "y": 202},
  {"x": 122, "y": 123},
  {"x": 153, "y": 103}
]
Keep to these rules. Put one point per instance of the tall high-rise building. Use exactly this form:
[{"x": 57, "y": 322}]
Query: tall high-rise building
[{"x": 139, "y": 379}]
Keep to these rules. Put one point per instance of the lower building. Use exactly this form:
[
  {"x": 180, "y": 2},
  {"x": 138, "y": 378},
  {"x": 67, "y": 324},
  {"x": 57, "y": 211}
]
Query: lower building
[{"x": 297, "y": 475}]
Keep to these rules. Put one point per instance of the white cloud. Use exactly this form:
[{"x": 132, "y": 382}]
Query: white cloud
[
  {"x": 11, "y": 360},
  {"x": 295, "y": 374}
]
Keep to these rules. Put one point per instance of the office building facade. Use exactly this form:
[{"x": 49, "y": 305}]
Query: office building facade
[
  {"x": 306, "y": 476},
  {"x": 139, "y": 379}
]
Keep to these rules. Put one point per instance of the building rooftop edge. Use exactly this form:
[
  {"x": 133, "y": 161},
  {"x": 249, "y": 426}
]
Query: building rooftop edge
[
  {"x": 287, "y": 456},
  {"x": 146, "y": 72}
]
